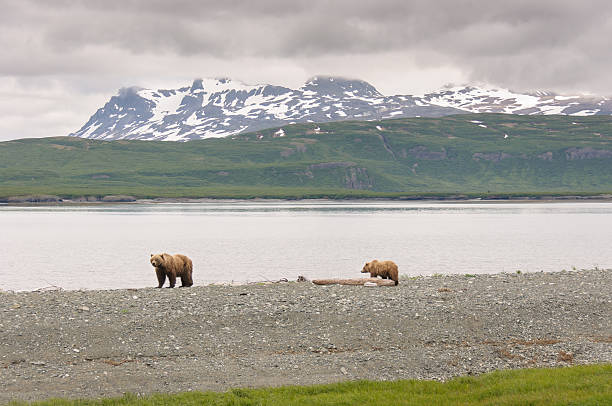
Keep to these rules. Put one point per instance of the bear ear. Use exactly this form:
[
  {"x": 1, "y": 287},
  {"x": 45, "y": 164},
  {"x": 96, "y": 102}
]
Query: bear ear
[
  {"x": 163, "y": 256},
  {"x": 151, "y": 255}
]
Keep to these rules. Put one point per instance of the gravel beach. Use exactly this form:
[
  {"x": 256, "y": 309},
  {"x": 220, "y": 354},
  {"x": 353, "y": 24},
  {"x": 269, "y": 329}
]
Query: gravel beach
[{"x": 89, "y": 344}]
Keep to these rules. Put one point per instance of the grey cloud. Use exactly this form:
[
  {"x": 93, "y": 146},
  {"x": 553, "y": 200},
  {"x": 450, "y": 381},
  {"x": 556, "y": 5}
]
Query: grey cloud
[
  {"x": 300, "y": 27},
  {"x": 123, "y": 23},
  {"x": 560, "y": 45},
  {"x": 483, "y": 38}
]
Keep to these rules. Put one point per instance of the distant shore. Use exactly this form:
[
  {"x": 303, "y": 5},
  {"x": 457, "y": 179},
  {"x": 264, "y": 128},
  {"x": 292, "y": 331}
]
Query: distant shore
[
  {"x": 125, "y": 199},
  {"x": 85, "y": 344}
]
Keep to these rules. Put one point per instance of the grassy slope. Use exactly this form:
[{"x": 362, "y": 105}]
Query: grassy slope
[
  {"x": 583, "y": 385},
  {"x": 262, "y": 165}
]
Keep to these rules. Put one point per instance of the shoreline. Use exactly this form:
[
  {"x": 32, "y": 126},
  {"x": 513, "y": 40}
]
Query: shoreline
[
  {"x": 86, "y": 344},
  {"x": 403, "y": 278},
  {"x": 57, "y": 201}
]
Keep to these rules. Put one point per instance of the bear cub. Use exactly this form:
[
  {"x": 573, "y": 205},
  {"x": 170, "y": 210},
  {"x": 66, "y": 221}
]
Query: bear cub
[{"x": 172, "y": 266}]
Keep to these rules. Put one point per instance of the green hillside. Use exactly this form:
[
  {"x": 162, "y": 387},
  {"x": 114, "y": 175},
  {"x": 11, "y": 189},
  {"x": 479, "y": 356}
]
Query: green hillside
[{"x": 541, "y": 155}]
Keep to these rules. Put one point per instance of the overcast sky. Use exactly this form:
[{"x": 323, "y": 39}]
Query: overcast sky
[{"x": 60, "y": 60}]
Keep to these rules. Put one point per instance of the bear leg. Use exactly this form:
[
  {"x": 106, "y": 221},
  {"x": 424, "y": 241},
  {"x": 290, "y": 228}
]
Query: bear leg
[
  {"x": 189, "y": 273},
  {"x": 189, "y": 280},
  {"x": 172, "y": 279},
  {"x": 186, "y": 281},
  {"x": 161, "y": 277},
  {"x": 190, "y": 276}
]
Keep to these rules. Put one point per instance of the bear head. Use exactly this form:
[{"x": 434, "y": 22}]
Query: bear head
[
  {"x": 158, "y": 260},
  {"x": 368, "y": 266}
]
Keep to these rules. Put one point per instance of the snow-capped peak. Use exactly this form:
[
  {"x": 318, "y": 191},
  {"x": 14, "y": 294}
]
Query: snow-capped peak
[
  {"x": 219, "y": 107},
  {"x": 489, "y": 99},
  {"x": 336, "y": 86}
]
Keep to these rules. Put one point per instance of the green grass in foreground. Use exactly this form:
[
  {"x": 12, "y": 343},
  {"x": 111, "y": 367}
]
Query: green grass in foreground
[{"x": 580, "y": 385}]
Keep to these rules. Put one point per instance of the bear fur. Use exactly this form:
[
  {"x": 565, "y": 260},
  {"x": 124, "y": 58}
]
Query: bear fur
[
  {"x": 384, "y": 269},
  {"x": 172, "y": 266}
]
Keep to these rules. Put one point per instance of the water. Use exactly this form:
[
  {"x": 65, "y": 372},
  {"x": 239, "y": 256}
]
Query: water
[{"x": 108, "y": 246}]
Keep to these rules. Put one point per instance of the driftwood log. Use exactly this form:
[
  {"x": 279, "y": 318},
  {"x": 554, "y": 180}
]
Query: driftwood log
[{"x": 361, "y": 281}]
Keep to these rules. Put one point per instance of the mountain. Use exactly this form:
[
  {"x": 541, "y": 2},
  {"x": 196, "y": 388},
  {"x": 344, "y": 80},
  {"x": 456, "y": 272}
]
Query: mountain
[
  {"x": 497, "y": 100},
  {"x": 465, "y": 154},
  {"x": 222, "y": 107}
]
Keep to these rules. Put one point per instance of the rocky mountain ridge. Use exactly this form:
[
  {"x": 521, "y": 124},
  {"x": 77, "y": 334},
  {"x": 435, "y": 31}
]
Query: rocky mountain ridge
[{"x": 222, "y": 107}]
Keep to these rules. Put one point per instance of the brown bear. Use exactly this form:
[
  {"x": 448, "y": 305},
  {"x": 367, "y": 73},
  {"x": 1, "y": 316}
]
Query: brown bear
[
  {"x": 172, "y": 266},
  {"x": 385, "y": 269}
]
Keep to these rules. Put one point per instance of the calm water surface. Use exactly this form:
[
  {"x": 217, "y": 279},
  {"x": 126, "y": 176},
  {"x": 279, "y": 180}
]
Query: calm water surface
[{"x": 108, "y": 246}]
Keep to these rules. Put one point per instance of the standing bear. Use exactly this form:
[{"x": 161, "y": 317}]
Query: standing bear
[
  {"x": 172, "y": 266},
  {"x": 385, "y": 269}
]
